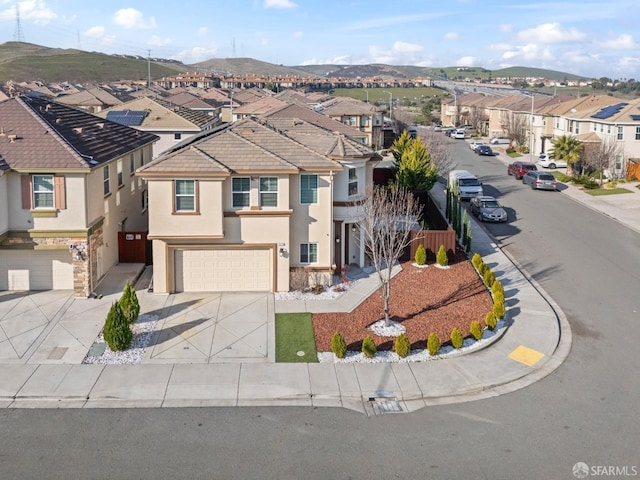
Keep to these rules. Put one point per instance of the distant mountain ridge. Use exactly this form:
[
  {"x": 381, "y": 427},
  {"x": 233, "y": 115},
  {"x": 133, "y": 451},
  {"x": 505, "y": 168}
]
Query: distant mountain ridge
[{"x": 27, "y": 62}]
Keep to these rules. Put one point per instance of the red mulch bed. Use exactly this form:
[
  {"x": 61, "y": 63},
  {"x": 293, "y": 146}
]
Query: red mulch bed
[{"x": 424, "y": 300}]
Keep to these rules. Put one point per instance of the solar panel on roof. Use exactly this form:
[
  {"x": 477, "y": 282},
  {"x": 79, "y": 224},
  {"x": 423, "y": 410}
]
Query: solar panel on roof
[
  {"x": 130, "y": 118},
  {"x": 609, "y": 111},
  {"x": 635, "y": 118}
]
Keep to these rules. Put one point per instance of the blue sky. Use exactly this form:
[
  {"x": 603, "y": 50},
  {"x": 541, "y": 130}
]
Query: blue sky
[{"x": 591, "y": 38}]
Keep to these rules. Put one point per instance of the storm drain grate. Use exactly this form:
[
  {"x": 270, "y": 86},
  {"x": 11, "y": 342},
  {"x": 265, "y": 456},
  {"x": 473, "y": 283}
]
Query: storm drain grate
[{"x": 381, "y": 406}]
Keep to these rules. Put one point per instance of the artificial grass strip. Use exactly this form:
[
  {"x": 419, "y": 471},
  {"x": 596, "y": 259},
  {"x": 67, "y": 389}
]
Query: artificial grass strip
[
  {"x": 294, "y": 334},
  {"x": 598, "y": 192}
]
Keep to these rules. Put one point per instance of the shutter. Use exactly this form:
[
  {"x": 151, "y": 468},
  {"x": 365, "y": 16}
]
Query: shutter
[
  {"x": 25, "y": 181},
  {"x": 59, "y": 193}
]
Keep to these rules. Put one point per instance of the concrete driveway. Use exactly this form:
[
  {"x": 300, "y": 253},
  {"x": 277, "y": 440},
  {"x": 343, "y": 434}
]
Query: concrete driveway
[{"x": 54, "y": 327}]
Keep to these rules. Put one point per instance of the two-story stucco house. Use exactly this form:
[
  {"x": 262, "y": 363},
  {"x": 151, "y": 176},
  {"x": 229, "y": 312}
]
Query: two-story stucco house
[
  {"x": 238, "y": 208},
  {"x": 67, "y": 188}
]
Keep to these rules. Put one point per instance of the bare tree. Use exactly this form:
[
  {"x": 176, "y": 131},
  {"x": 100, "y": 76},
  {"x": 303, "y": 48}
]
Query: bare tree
[
  {"x": 603, "y": 156},
  {"x": 439, "y": 150},
  {"x": 387, "y": 218},
  {"x": 515, "y": 126},
  {"x": 476, "y": 118}
]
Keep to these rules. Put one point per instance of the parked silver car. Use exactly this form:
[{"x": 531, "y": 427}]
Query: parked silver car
[
  {"x": 538, "y": 180},
  {"x": 487, "y": 209}
]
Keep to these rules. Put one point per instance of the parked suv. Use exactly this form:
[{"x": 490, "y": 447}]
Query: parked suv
[
  {"x": 487, "y": 209},
  {"x": 519, "y": 169},
  {"x": 546, "y": 160},
  {"x": 540, "y": 180}
]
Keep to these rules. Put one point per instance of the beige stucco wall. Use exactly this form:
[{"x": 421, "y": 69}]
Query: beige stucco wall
[
  {"x": 4, "y": 204},
  {"x": 167, "y": 140}
]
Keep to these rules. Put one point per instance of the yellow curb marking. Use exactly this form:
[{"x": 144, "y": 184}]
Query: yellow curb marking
[{"x": 526, "y": 355}]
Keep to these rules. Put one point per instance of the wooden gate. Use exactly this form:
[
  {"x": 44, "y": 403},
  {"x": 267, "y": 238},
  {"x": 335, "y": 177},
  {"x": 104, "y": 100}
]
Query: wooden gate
[{"x": 132, "y": 247}]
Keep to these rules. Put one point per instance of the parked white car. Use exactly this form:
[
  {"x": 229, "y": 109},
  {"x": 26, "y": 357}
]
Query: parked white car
[
  {"x": 546, "y": 160},
  {"x": 500, "y": 140},
  {"x": 458, "y": 134},
  {"x": 473, "y": 145}
]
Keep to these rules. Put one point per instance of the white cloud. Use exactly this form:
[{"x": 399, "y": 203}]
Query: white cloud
[
  {"x": 156, "y": 41},
  {"x": 196, "y": 54},
  {"x": 551, "y": 33},
  {"x": 629, "y": 63},
  {"x": 467, "y": 61},
  {"x": 35, "y": 11},
  {"x": 132, "y": 18},
  {"x": 94, "y": 32},
  {"x": 505, "y": 28},
  {"x": 279, "y": 4},
  {"x": 622, "y": 42},
  {"x": 297, "y": 34},
  {"x": 203, "y": 31},
  {"x": 500, "y": 47},
  {"x": 404, "y": 47},
  {"x": 339, "y": 60},
  {"x": 530, "y": 53},
  {"x": 452, "y": 36},
  {"x": 392, "y": 20}
]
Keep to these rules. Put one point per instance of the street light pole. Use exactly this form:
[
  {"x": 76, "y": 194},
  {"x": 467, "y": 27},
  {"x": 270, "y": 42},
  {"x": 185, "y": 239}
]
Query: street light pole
[
  {"x": 532, "y": 96},
  {"x": 390, "y": 103}
]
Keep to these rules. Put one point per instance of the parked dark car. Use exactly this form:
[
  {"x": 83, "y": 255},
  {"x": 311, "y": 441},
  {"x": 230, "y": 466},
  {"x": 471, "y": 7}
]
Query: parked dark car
[
  {"x": 519, "y": 169},
  {"x": 540, "y": 180},
  {"x": 449, "y": 131},
  {"x": 484, "y": 150},
  {"x": 487, "y": 209}
]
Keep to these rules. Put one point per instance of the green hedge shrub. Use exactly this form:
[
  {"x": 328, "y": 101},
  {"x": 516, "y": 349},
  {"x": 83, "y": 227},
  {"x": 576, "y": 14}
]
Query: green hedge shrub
[
  {"x": 441, "y": 257},
  {"x": 421, "y": 255},
  {"x": 117, "y": 332},
  {"x": 489, "y": 277},
  {"x": 457, "y": 339},
  {"x": 433, "y": 344},
  {"x": 369, "y": 347},
  {"x": 491, "y": 321},
  {"x": 476, "y": 260},
  {"x": 476, "y": 329},
  {"x": 129, "y": 303},
  {"x": 402, "y": 345},
  {"x": 497, "y": 288},
  {"x": 499, "y": 308},
  {"x": 482, "y": 269},
  {"x": 338, "y": 345}
]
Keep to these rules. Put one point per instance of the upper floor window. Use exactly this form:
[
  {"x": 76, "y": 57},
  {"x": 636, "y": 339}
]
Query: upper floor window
[
  {"x": 185, "y": 195},
  {"x": 145, "y": 200},
  {"x": 620, "y": 134},
  {"x": 308, "y": 253},
  {"x": 637, "y": 133},
  {"x": 608, "y": 128},
  {"x": 240, "y": 192},
  {"x": 105, "y": 180},
  {"x": 177, "y": 136},
  {"x": 308, "y": 189},
  {"x": 268, "y": 191},
  {"x": 43, "y": 191},
  {"x": 353, "y": 181},
  {"x": 119, "y": 171},
  {"x": 132, "y": 163}
]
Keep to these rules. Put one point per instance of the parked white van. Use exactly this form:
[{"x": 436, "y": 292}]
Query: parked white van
[
  {"x": 465, "y": 183},
  {"x": 459, "y": 133}
]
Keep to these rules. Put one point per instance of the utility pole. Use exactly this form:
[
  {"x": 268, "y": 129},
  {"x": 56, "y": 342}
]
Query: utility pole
[
  {"x": 149, "y": 69},
  {"x": 17, "y": 34}
]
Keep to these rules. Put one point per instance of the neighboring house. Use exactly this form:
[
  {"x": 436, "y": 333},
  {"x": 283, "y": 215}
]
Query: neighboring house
[
  {"x": 171, "y": 123},
  {"x": 67, "y": 188},
  {"x": 240, "y": 208},
  {"x": 257, "y": 108},
  {"x": 193, "y": 102},
  {"x": 92, "y": 100},
  {"x": 365, "y": 117}
]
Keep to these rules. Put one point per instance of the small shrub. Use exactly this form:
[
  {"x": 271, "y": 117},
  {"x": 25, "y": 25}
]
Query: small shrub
[
  {"x": 317, "y": 289},
  {"x": 129, "y": 303},
  {"x": 117, "y": 332},
  {"x": 498, "y": 308},
  {"x": 421, "y": 255},
  {"x": 299, "y": 279},
  {"x": 369, "y": 347},
  {"x": 498, "y": 297},
  {"x": 338, "y": 345},
  {"x": 489, "y": 277},
  {"x": 476, "y": 329},
  {"x": 482, "y": 269},
  {"x": 496, "y": 287},
  {"x": 441, "y": 257},
  {"x": 402, "y": 345},
  {"x": 457, "y": 339},
  {"x": 433, "y": 344},
  {"x": 491, "y": 321},
  {"x": 476, "y": 260}
]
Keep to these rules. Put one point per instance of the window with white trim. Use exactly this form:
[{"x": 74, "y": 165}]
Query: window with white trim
[
  {"x": 308, "y": 189},
  {"x": 637, "y": 133},
  {"x": 119, "y": 171},
  {"x": 43, "y": 191},
  {"x": 185, "y": 195},
  {"x": 308, "y": 253},
  {"x": 106, "y": 189},
  {"x": 620, "y": 133},
  {"x": 132, "y": 163},
  {"x": 268, "y": 191},
  {"x": 240, "y": 192},
  {"x": 145, "y": 200},
  {"x": 353, "y": 181}
]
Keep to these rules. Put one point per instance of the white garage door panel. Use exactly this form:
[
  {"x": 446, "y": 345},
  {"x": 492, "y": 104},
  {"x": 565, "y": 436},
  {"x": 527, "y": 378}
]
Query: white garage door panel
[
  {"x": 223, "y": 270},
  {"x": 36, "y": 270}
]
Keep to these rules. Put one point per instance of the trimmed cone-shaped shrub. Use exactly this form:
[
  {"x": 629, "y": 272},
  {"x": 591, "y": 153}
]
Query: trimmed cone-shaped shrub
[
  {"x": 402, "y": 345},
  {"x": 117, "y": 332},
  {"x": 441, "y": 257},
  {"x": 489, "y": 277},
  {"x": 476, "y": 330},
  {"x": 497, "y": 288},
  {"x": 338, "y": 345},
  {"x": 129, "y": 303},
  {"x": 482, "y": 269},
  {"x": 498, "y": 297},
  {"x": 421, "y": 255},
  {"x": 476, "y": 260},
  {"x": 433, "y": 344},
  {"x": 457, "y": 339},
  {"x": 369, "y": 347},
  {"x": 498, "y": 308},
  {"x": 491, "y": 321}
]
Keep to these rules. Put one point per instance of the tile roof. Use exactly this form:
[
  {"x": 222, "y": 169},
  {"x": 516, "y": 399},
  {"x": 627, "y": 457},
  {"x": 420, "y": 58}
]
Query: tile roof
[
  {"x": 259, "y": 107},
  {"x": 246, "y": 146},
  {"x": 348, "y": 106},
  {"x": 94, "y": 97},
  {"x": 40, "y": 133},
  {"x": 188, "y": 100}
]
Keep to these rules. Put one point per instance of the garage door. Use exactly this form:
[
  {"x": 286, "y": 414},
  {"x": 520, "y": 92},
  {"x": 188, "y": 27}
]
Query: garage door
[
  {"x": 231, "y": 270},
  {"x": 35, "y": 270}
]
